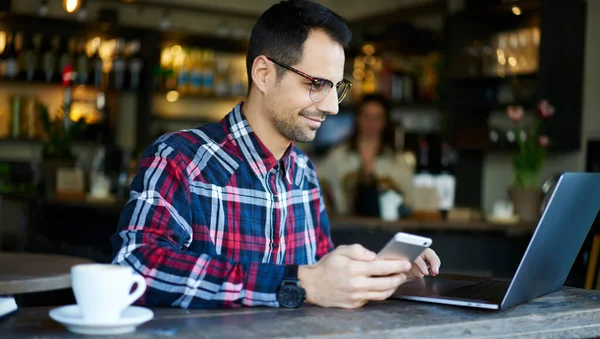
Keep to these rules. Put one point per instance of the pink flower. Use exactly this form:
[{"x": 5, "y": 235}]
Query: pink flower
[
  {"x": 543, "y": 140},
  {"x": 515, "y": 113},
  {"x": 545, "y": 110}
]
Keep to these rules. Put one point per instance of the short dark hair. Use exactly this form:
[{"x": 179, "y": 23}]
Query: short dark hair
[
  {"x": 281, "y": 31},
  {"x": 388, "y": 137}
]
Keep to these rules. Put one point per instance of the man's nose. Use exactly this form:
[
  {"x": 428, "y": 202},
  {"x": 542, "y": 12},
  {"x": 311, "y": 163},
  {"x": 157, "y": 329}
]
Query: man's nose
[{"x": 329, "y": 105}]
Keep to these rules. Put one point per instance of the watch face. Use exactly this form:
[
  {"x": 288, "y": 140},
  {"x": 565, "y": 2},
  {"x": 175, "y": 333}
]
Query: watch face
[{"x": 290, "y": 296}]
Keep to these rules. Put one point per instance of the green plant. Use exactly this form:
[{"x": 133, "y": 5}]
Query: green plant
[
  {"x": 60, "y": 136},
  {"x": 533, "y": 145}
]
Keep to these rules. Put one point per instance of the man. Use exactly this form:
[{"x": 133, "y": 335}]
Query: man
[{"x": 231, "y": 214}]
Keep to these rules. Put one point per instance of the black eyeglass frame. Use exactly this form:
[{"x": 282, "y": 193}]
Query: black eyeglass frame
[{"x": 316, "y": 81}]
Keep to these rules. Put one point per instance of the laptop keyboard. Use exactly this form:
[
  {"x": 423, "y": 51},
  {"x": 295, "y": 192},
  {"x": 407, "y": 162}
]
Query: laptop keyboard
[{"x": 488, "y": 290}]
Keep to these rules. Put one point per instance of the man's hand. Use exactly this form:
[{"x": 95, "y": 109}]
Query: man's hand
[
  {"x": 349, "y": 277},
  {"x": 428, "y": 263}
]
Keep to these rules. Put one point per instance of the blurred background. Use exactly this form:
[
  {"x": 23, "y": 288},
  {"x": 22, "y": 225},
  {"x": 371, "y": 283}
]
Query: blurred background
[{"x": 450, "y": 70}]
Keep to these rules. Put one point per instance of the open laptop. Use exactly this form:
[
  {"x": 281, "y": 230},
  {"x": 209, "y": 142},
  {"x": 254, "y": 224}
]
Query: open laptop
[{"x": 560, "y": 233}]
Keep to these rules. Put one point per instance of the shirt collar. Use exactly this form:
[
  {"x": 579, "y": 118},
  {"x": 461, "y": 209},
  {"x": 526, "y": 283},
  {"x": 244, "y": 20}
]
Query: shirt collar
[{"x": 260, "y": 159}]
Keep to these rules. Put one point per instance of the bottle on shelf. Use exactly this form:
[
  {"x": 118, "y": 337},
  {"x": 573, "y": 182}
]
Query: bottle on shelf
[
  {"x": 169, "y": 78},
  {"x": 4, "y": 123},
  {"x": 49, "y": 58},
  {"x": 238, "y": 79},
  {"x": 82, "y": 63},
  {"x": 97, "y": 72},
  {"x": 65, "y": 54},
  {"x": 196, "y": 72},
  {"x": 446, "y": 181},
  {"x": 68, "y": 74},
  {"x": 3, "y": 57},
  {"x": 30, "y": 122},
  {"x": 10, "y": 59},
  {"x": 136, "y": 64},
  {"x": 16, "y": 103},
  {"x": 208, "y": 76},
  {"x": 182, "y": 66},
  {"x": 102, "y": 134},
  {"x": 222, "y": 77},
  {"x": 29, "y": 59},
  {"x": 424, "y": 177},
  {"x": 118, "y": 65},
  {"x": 38, "y": 73},
  {"x": 157, "y": 78}
]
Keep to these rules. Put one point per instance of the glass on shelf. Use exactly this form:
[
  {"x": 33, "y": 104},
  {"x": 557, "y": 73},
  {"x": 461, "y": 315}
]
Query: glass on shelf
[
  {"x": 22, "y": 119},
  {"x": 401, "y": 78},
  {"x": 4, "y": 123},
  {"x": 200, "y": 71},
  {"x": 31, "y": 124},
  {"x": 517, "y": 52}
]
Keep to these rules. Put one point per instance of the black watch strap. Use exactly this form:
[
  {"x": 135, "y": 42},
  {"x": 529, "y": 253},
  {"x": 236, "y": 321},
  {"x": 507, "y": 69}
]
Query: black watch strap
[{"x": 291, "y": 273}]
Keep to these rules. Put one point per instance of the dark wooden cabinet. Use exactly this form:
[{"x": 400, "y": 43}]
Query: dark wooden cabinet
[
  {"x": 560, "y": 77},
  {"x": 473, "y": 96}
]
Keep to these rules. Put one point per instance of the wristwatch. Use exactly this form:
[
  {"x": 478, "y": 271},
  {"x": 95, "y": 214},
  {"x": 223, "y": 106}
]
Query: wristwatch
[{"x": 290, "y": 294}]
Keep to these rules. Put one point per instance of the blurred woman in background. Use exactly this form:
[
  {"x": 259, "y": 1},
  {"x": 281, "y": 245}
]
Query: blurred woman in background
[{"x": 354, "y": 173}]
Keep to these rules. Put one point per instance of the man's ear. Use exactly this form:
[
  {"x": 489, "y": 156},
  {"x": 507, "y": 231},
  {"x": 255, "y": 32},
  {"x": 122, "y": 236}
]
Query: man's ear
[{"x": 261, "y": 71}]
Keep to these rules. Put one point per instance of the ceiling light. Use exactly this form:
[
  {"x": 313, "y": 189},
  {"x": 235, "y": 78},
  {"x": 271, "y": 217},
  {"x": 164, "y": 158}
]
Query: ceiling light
[
  {"x": 71, "y": 6},
  {"x": 516, "y": 10}
]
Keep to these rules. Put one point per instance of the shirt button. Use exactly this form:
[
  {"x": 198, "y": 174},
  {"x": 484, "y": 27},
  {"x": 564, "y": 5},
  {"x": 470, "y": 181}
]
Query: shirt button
[
  {"x": 276, "y": 198},
  {"x": 274, "y": 245}
]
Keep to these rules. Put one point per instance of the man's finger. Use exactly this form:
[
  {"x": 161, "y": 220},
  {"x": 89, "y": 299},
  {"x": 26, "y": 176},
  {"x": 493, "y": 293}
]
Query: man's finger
[
  {"x": 380, "y": 284},
  {"x": 380, "y": 295},
  {"x": 434, "y": 261},
  {"x": 421, "y": 265},
  {"x": 379, "y": 268}
]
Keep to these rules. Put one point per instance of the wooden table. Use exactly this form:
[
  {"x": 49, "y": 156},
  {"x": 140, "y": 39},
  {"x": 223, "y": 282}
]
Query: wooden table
[
  {"x": 31, "y": 272},
  {"x": 567, "y": 313}
]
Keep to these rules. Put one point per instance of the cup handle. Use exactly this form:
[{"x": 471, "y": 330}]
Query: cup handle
[{"x": 140, "y": 289}]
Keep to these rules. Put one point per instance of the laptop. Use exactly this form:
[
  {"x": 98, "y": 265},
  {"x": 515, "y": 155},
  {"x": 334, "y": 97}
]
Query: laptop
[{"x": 556, "y": 241}]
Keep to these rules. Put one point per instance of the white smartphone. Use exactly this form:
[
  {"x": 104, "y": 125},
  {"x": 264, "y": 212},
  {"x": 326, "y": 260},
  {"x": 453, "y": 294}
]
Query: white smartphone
[{"x": 404, "y": 246}]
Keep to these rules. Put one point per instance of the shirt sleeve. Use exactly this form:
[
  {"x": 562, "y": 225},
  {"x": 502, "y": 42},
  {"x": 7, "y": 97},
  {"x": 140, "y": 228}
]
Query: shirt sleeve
[
  {"x": 325, "y": 243},
  {"x": 154, "y": 230}
]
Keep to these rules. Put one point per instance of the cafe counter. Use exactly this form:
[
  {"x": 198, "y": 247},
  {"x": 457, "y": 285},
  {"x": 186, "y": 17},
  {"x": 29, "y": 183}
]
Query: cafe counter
[{"x": 84, "y": 228}]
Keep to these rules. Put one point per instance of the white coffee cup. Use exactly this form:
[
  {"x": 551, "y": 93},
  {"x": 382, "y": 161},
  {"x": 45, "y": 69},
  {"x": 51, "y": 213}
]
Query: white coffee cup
[{"x": 103, "y": 291}]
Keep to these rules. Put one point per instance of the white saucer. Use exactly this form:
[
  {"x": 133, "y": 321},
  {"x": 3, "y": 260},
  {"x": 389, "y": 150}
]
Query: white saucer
[{"x": 70, "y": 317}]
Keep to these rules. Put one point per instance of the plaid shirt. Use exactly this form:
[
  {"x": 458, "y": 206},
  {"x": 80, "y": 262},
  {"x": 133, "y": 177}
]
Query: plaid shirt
[{"x": 213, "y": 217}]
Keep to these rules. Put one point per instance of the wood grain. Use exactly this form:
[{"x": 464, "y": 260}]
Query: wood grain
[{"x": 566, "y": 313}]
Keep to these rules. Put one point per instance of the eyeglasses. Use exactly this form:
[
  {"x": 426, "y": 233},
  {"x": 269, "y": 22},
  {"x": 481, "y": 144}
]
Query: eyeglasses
[{"x": 319, "y": 88}]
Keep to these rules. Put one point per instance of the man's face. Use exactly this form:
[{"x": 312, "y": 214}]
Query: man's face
[{"x": 292, "y": 112}]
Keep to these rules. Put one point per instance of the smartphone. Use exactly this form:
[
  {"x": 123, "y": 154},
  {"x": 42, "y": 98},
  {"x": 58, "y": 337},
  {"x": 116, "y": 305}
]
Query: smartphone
[{"x": 404, "y": 246}]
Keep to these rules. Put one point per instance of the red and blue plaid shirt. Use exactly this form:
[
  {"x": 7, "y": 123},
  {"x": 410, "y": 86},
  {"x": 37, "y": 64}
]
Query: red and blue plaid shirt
[{"x": 213, "y": 217}]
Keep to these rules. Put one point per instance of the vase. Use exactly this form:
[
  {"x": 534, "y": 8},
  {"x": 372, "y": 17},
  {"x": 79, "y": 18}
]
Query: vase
[
  {"x": 527, "y": 203},
  {"x": 49, "y": 169}
]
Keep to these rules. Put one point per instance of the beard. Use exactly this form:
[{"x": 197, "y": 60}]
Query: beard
[{"x": 292, "y": 125}]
